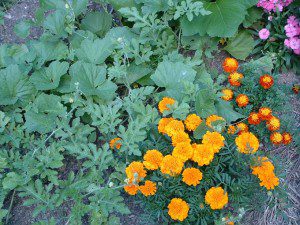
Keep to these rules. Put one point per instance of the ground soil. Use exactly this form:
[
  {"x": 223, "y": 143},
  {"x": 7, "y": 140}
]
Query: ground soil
[{"x": 21, "y": 215}]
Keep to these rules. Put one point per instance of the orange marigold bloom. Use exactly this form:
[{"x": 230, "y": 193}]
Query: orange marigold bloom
[
  {"x": 192, "y": 122},
  {"x": 131, "y": 189},
  {"x": 242, "y": 100},
  {"x": 171, "y": 165},
  {"x": 173, "y": 127},
  {"x": 269, "y": 180},
  {"x": 203, "y": 154},
  {"x": 135, "y": 171},
  {"x": 115, "y": 143},
  {"x": 273, "y": 124},
  {"x": 254, "y": 118},
  {"x": 287, "y": 138},
  {"x": 191, "y": 176},
  {"x": 165, "y": 103},
  {"x": 153, "y": 159},
  {"x": 230, "y": 223},
  {"x": 266, "y": 81},
  {"x": 179, "y": 137},
  {"x": 163, "y": 122},
  {"x": 227, "y": 94},
  {"x": 242, "y": 127},
  {"x": 213, "y": 140},
  {"x": 265, "y": 113},
  {"x": 178, "y": 209},
  {"x": 230, "y": 65},
  {"x": 235, "y": 79},
  {"x": 183, "y": 151},
  {"x": 213, "y": 118},
  {"x": 247, "y": 143},
  {"x": 149, "y": 188},
  {"x": 276, "y": 138},
  {"x": 216, "y": 198},
  {"x": 231, "y": 129}
]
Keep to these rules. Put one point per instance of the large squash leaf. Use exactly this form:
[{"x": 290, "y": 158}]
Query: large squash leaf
[
  {"x": 225, "y": 110},
  {"x": 205, "y": 102},
  {"x": 97, "y": 22}
]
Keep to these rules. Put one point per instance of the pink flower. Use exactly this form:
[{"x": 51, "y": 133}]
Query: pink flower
[
  {"x": 264, "y": 34},
  {"x": 270, "y": 18},
  {"x": 273, "y": 5}
]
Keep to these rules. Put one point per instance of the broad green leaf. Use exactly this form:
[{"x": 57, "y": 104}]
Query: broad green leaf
[
  {"x": 124, "y": 33},
  {"x": 225, "y": 110},
  {"x": 259, "y": 66},
  {"x": 97, "y": 22},
  {"x": 205, "y": 102},
  {"x": 12, "y": 180},
  {"x": 241, "y": 45},
  {"x": 94, "y": 51},
  {"x": 15, "y": 86},
  {"x": 201, "y": 130},
  {"x": 134, "y": 73},
  {"x": 252, "y": 16},
  {"x": 153, "y": 6},
  {"x": 79, "y": 6},
  {"x": 48, "y": 78},
  {"x": 117, "y": 4},
  {"x": 22, "y": 29},
  {"x": 55, "y": 23},
  {"x": 204, "y": 77}
]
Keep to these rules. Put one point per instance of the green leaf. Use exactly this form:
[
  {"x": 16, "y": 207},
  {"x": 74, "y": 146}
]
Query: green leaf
[
  {"x": 153, "y": 6},
  {"x": 241, "y": 45},
  {"x": 225, "y": 110},
  {"x": 94, "y": 51},
  {"x": 134, "y": 73},
  {"x": 259, "y": 66},
  {"x": 48, "y": 78},
  {"x": 252, "y": 16},
  {"x": 205, "y": 102},
  {"x": 22, "y": 29},
  {"x": 12, "y": 180},
  {"x": 15, "y": 86},
  {"x": 55, "y": 23},
  {"x": 201, "y": 130},
  {"x": 117, "y": 4},
  {"x": 97, "y": 22},
  {"x": 79, "y": 6}
]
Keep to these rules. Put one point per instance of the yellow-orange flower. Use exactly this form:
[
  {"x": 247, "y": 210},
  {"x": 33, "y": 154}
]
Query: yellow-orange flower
[
  {"x": 230, "y": 223},
  {"x": 276, "y": 138},
  {"x": 192, "y": 122},
  {"x": 183, "y": 151},
  {"x": 235, "y": 79},
  {"x": 262, "y": 165},
  {"x": 254, "y": 118},
  {"x": 179, "y": 137},
  {"x": 213, "y": 140},
  {"x": 230, "y": 65},
  {"x": 153, "y": 159},
  {"x": 213, "y": 118},
  {"x": 135, "y": 171},
  {"x": 269, "y": 181},
  {"x": 242, "y": 100},
  {"x": 203, "y": 154},
  {"x": 131, "y": 189},
  {"x": 173, "y": 127},
  {"x": 231, "y": 129},
  {"x": 227, "y": 94},
  {"x": 163, "y": 122},
  {"x": 165, "y": 103},
  {"x": 242, "y": 127},
  {"x": 273, "y": 124},
  {"x": 178, "y": 209},
  {"x": 216, "y": 198},
  {"x": 115, "y": 143},
  {"x": 149, "y": 188},
  {"x": 171, "y": 165},
  {"x": 247, "y": 143},
  {"x": 266, "y": 81},
  {"x": 265, "y": 113},
  {"x": 287, "y": 138},
  {"x": 191, "y": 176}
]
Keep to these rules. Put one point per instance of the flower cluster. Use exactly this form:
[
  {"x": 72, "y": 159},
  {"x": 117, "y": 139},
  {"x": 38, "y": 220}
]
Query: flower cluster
[
  {"x": 273, "y": 5},
  {"x": 292, "y": 31}
]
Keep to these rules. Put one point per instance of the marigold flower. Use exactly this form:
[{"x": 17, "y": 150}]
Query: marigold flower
[
  {"x": 296, "y": 89},
  {"x": 235, "y": 79},
  {"x": 191, "y": 176},
  {"x": 287, "y": 138},
  {"x": 254, "y": 118},
  {"x": 183, "y": 151},
  {"x": 266, "y": 81},
  {"x": 276, "y": 138},
  {"x": 230, "y": 223},
  {"x": 231, "y": 129},
  {"x": 171, "y": 165},
  {"x": 247, "y": 143},
  {"x": 173, "y": 127},
  {"x": 203, "y": 154},
  {"x": 216, "y": 198},
  {"x": 178, "y": 209},
  {"x": 135, "y": 171},
  {"x": 269, "y": 180},
  {"x": 242, "y": 127},
  {"x": 115, "y": 143},
  {"x": 273, "y": 124},
  {"x": 149, "y": 188},
  {"x": 131, "y": 189},
  {"x": 163, "y": 122},
  {"x": 213, "y": 118},
  {"x": 213, "y": 140},
  {"x": 153, "y": 159},
  {"x": 192, "y": 122},
  {"x": 179, "y": 137},
  {"x": 227, "y": 94},
  {"x": 230, "y": 65},
  {"x": 265, "y": 113},
  {"x": 165, "y": 103},
  {"x": 242, "y": 100}
]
